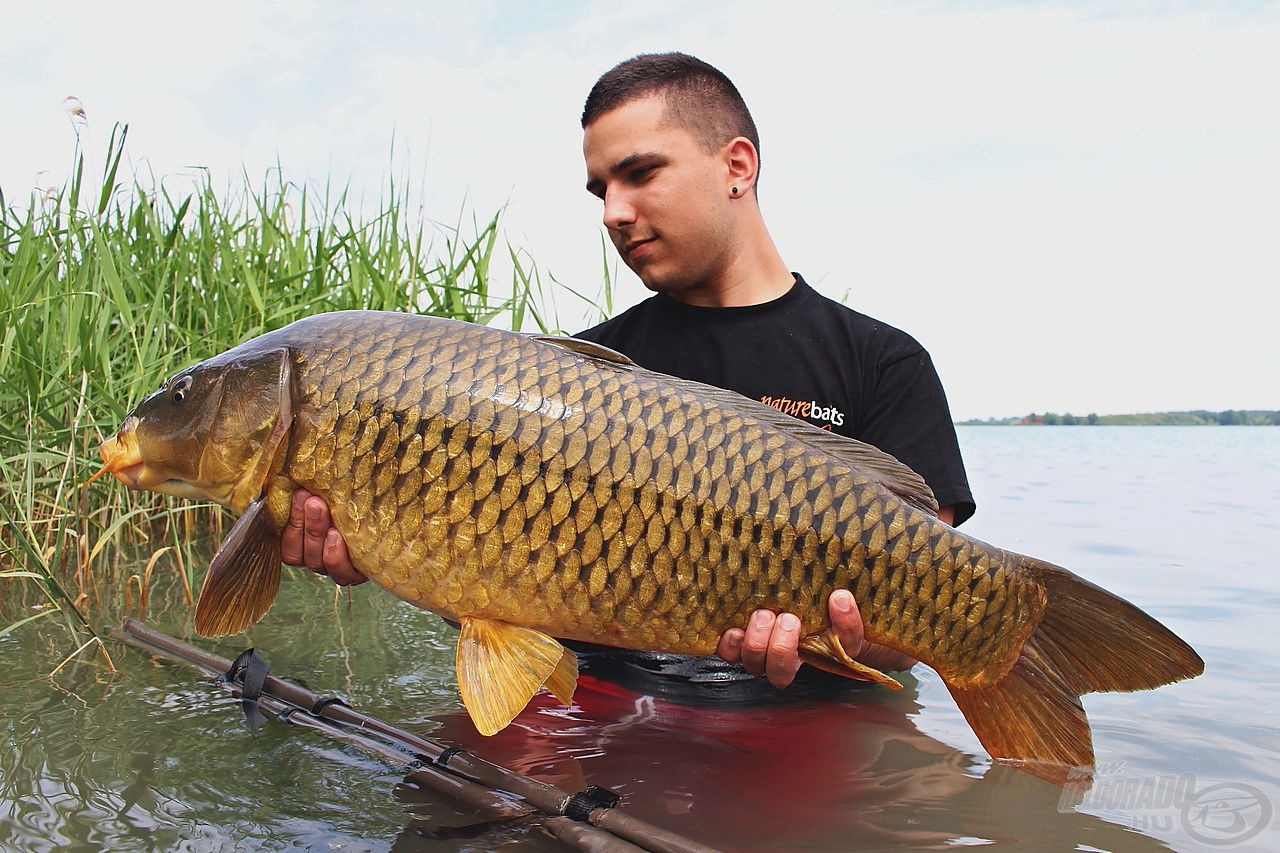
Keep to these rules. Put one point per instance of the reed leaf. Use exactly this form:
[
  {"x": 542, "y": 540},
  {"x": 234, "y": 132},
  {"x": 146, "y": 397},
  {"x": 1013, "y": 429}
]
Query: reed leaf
[{"x": 106, "y": 290}]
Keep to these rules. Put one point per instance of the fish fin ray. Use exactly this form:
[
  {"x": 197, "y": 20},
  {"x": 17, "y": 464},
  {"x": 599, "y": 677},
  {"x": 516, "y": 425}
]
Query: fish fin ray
[
  {"x": 564, "y": 680},
  {"x": 1030, "y": 716},
  {"x": 1086, "y": 640},
  {"x": 825, "y": 651},
  {"x": 1100, "y": 642},
  {"x": 500, "y": 666},
  {"x": 887, "y": 470},
  {"x": 243, "y": 577},
  {"x": 895, "y": 476},
  {"x": 590, "y": 349}
]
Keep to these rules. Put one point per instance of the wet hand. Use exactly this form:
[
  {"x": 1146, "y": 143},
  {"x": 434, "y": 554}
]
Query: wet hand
[
  {"x": 768, "y": 645},
  {"x": 309, "y": 539}
]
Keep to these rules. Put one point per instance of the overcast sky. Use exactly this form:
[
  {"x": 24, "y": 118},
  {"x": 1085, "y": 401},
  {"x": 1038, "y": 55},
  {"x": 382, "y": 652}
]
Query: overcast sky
[{"x": 1075, "y": 206}]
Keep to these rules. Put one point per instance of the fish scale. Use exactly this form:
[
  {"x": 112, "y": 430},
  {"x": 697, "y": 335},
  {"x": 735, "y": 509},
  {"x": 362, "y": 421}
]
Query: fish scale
[{"x": 530, "y": 487}]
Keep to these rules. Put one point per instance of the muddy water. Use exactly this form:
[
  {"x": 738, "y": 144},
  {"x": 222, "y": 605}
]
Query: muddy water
[{"x": 1182, "y": 521}]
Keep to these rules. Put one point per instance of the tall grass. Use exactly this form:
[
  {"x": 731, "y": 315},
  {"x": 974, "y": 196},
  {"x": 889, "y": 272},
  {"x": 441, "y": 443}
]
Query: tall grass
[{"x": 109, "y": 285}]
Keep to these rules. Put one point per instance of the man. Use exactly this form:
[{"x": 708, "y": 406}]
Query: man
[{"x": 673, "y": 153}]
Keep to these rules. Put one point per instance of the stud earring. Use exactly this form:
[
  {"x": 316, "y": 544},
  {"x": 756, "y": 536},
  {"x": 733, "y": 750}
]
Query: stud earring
[{"x": 735, "y": 190}]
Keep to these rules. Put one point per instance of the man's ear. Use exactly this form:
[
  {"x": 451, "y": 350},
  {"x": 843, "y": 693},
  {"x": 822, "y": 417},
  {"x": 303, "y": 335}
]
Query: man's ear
[{"x": 742, "y": 163}]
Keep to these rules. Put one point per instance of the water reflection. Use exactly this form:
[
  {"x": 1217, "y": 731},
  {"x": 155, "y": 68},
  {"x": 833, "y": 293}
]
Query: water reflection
[{"x": 821, "y": 775}]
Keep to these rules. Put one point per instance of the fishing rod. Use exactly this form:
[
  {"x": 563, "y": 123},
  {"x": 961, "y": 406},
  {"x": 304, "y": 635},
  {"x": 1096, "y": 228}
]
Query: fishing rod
[{"x": 587, "y": 821}]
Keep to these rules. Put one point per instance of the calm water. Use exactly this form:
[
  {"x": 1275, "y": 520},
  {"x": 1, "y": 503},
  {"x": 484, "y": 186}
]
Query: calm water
[{"x": 1183, "y": 521}]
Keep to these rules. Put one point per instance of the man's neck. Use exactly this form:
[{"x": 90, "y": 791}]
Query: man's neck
[
  {"x": 756, "y": 274},
  {"x": 736, "y": 293}
]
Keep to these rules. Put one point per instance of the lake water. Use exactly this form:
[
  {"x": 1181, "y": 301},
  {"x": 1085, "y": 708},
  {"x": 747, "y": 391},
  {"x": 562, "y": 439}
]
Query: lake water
[{"x": 1184, "y": 522}]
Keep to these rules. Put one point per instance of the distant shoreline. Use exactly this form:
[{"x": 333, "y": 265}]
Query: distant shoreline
[{"x": 1229, "y": 417}]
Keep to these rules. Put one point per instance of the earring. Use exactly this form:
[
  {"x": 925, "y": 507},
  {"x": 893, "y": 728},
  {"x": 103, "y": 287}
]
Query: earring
[{"x": 735, "y": 190}]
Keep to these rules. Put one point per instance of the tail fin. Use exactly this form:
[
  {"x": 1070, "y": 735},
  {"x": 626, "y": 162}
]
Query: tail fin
[{"x": 1087, "y": 640}]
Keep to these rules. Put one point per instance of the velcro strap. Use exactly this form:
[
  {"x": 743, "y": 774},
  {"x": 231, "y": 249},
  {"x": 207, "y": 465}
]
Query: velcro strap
[
  {"x": 321, "y": 704},
  {"x": 250, "y": 671},
  {"x": 582, "y": 804}
]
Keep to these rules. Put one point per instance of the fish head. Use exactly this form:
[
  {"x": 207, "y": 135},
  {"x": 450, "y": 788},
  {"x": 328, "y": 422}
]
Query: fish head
[{"x": 211, "y": 432}]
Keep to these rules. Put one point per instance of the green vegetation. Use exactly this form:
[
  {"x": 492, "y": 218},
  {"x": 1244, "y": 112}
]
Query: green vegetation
[
  {"x": 1239, "y": 417},
  {"x": 106, "y": 289}
]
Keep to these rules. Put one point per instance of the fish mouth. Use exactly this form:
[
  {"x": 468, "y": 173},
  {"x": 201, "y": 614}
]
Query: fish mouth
[{"x": 122, "y": 459}]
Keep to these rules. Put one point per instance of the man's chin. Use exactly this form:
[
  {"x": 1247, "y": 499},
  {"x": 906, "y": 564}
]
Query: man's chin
[{"x": 654, "y": 281}]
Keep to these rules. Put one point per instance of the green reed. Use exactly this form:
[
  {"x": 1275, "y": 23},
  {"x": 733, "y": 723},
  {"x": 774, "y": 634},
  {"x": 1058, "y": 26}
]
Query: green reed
[{"x": 112, "y": 283}]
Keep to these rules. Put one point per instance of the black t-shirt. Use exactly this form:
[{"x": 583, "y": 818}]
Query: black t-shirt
[{"x": 811, "y": 357}]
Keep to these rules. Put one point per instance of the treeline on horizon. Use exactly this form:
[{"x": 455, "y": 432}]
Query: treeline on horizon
[{"x": 1202, "y": 417}]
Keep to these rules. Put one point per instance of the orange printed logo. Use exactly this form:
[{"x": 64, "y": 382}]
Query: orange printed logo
[{"x": 827, "y": 417}]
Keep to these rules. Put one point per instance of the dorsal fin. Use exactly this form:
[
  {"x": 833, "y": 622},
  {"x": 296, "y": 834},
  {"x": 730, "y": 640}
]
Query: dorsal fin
[
  {"x": 884, "y": 467},
  {"x": 587, "y": 348},
  {"x": 899, "y": 479}
]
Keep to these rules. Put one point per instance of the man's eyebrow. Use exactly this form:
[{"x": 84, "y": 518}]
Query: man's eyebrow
[{"x": 595, "y": 184}]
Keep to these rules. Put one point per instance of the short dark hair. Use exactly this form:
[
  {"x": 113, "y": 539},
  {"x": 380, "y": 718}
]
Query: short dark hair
[{"x": 700, "y": 98}]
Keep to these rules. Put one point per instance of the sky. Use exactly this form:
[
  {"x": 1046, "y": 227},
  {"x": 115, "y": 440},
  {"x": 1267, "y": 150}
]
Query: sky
[{"x": 1074, "y": 206}]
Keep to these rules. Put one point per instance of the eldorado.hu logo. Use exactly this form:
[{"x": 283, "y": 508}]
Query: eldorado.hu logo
[{"x": 1218, "y": 814}]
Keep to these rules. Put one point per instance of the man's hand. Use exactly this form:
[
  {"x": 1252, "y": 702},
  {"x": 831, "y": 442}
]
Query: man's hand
[
  {"x": 768, "y": 645},
  {"x": 309, "y": 539}
]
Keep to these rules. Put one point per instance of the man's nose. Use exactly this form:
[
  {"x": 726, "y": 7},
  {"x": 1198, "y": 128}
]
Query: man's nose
[{"x": 619, "y": 212}]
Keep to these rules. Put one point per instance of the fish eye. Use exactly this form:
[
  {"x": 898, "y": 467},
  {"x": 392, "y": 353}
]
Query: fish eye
[{"x": 180, "y": 389}]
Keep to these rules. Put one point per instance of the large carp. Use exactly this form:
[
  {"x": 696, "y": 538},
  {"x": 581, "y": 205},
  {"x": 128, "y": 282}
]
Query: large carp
[{"x": 531, "y": 487}]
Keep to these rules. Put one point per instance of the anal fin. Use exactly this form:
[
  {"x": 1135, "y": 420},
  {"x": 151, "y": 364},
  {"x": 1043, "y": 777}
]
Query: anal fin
[
  {"x": 500, "y": 666},
  {"x": 824, "y": 651},
  {"x": 564, "y": 680}
]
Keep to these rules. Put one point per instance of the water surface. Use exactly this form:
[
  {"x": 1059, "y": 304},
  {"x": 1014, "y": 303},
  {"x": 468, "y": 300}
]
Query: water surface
[{"x": 1182, "y": 521}]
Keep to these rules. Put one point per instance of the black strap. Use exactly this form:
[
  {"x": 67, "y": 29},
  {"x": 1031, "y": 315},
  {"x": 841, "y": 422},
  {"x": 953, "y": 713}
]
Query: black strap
[
  {"x": 321, "y": 704},
  {"x": 250, "y": 670},
  {"x": 582, "y": 804},
  {"x": 443, "y": 758}
]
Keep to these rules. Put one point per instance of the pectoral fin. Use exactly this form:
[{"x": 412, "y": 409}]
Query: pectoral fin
[
  {"x": 243, "y": 577},
  {"x": 500, "y": 666},
  {"x": 824, "y": 651}
]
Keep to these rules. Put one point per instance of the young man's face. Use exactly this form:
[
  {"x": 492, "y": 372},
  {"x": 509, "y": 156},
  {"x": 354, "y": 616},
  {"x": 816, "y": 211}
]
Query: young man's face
[{"x": 666, "y": 200}]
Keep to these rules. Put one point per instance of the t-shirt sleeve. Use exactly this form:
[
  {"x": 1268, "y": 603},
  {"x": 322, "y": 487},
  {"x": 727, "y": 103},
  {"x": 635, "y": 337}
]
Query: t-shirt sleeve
[{"x": 910, "y": 419}]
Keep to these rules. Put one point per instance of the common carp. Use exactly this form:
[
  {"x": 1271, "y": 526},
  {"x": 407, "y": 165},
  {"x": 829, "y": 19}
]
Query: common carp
[{"x": 531, "y": 487}]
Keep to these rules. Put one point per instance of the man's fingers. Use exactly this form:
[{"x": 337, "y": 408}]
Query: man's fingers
[
  {"x": 292, "y": 535},
  {"x": 338, "y": 562},
  {"x": 783, "y": 659},
  {"x": 755, "y": 641},
  {"x": 315, "y": 527},
  {"x": 730, "y": 647},
  {"x": 769, "y": 646},
  {"x": 846, "y": 621}
]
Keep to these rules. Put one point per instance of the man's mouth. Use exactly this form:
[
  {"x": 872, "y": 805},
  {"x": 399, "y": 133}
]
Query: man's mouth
[{"x": 635, "y": 248}]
